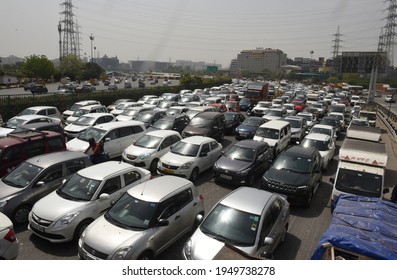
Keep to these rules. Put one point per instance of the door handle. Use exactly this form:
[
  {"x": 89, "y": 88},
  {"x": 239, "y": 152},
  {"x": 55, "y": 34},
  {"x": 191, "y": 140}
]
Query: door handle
[{"x": 177, "y": 217}]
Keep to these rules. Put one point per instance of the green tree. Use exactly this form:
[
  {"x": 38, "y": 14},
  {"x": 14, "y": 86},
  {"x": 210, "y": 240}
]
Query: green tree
[
  {"x": 71, "y": 66},
  {"x": 38, "y": 67},
  {"x": 92, "y": 70}
]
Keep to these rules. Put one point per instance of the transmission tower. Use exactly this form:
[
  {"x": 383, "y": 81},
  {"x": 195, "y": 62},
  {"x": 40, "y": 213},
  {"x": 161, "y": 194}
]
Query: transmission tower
[
  {"x": 70, "y": 43},
  {"x": 78, "y": 38},
  {"x": 336, "y": 45},
  {"x": 386, "y": 40}
]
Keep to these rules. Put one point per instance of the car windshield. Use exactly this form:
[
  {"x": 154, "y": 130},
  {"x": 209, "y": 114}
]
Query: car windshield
[
  {"x": 253, "y": 122},
  {"x": 241, "y": 153},
  {"x": 263, "y": 105},
  {"x": 75, "y": 107},
  {"x": 173, "y": 111},
  {"x": 200, "y": 122},
  {"x": 148, "y": 141},
  {"x": 22, "y": 175},
  {"x": 27, "y": 111},
  {"x": 232, "y": 226},
  {"x": 359, "y": 183},
  {"x": 294, "y": 123},
  {"x": 267, "y": 133},
  {"x": 79, "y": 188},
  {"x": 85, "y": 121},
  {"x": 318, "y": 144},
  {"x": 329, "y": 121},
  {"x": 130, "y": 112},
  {"x": 132, "y": 213},
  {"x": 289, "y": 107},
  {"x": 192, "y": 112},
  {"x": 163, "y": 124},
  {"x": 293, "y": 163},
  {"x": 92, "y": 132},
  {"x": 185, "y": 149},
  {"x": 321, "y": 131},
  {"x": 230, "y": 117},
  {"x": 146, "y": 118},
  {"x": 276, "y": 113},
  {"x": 15, "y": 122},
  {"x": 80, "y": 112},
  {"x": 308, "y": 117}
]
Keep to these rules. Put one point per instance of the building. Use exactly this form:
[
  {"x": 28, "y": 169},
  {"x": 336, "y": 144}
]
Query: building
[
  {"x": 259, "y": 60},
  {"x": 360, "y": 62}
]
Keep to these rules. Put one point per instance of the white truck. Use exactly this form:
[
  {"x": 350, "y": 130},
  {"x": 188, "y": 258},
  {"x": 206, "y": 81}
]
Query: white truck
[{"x": 362, "y": 163}]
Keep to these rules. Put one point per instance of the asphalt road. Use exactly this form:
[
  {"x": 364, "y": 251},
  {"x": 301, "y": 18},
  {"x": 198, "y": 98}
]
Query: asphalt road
[{"x": 305, "y": 230}]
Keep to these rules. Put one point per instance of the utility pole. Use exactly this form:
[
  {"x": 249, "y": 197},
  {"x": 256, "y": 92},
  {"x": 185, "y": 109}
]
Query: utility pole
[
  {"x": 92, "y": 39},
  {"x": 60, "y": 41}
]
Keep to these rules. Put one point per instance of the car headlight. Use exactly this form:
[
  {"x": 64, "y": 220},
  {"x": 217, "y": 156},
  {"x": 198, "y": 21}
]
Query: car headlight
[
  {"x": 187, "y": 165},
  {"x": 66, "y": 220},
  {"x": 243, "y": 173},
  {"x": 2, "y": 204},
  {"x": 125, "y": 153},
  {"x": 121, "y": 253},
  {"x": 187, "y": 249},
  {"x": 144, "y": 156}
]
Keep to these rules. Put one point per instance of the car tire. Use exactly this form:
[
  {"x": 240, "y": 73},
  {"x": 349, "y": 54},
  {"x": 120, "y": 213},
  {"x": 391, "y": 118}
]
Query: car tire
[
  {"x": 195, "y": 173},
  {"x": 80, "y": 228},
  {"x": 146, "y": 256},
  {"x": 153, "y": 166},
  {"x": 20, "y": 214}
]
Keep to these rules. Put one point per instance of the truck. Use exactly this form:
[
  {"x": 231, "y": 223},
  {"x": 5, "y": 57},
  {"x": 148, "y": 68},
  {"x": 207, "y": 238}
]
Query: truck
[
  {"x": 361, "y": 165},
  {"x": 257, "y": 91},
  {"x": 362, "y": 228}
]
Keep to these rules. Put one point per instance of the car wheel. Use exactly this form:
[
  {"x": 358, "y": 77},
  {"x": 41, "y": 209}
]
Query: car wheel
[
  {"x": 20, "y": 214},
  {"x": 146, "y": 256},
  {"x": 80, "y": 228},
  {"x": 153, "y": 166},
  {"x": 194, "y": 174}
]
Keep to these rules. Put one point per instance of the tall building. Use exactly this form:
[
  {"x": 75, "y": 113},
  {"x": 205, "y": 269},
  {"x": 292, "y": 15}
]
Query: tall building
[
  {"x": 260, "y": 59},
  {"x": 360, "y": 62}
]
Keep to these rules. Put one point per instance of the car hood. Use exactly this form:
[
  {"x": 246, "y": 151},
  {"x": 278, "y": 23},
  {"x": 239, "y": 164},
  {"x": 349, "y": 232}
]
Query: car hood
[
  {"x": 232, "y": 165},
  {"x": 107, "y": 238},
  {"x": 196, "y": 130},
  {"x": 123, "y": 118},
  {"x": 246, "y": 128},
  {"x": 286, "y": 177},
  {"x": 75, "y": 128},
  {"x": 4, "y": 131},
  {"x": 271, "y": 142},
  {"x": 52, "y": 206},
  {"x": 77, "y": 145},
  {"x": 7, "y": 190},
  {"x": 136, "y": 151},
  {"x": 174, "y": 159},
  {"x": 71, "y": 119}
]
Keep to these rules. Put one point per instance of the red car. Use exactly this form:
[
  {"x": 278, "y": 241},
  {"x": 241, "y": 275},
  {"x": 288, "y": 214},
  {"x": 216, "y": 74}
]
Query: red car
[
  {"x": 299, "y": 105},
  {"x": 219, "y": 107},
  {"x": 233, "y": 106},
  {"x": 234, "y": 97}
]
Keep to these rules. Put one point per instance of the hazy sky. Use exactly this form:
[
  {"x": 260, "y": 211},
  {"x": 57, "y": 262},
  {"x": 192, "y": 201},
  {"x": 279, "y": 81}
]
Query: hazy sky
[{"x": 200, "y": 30}]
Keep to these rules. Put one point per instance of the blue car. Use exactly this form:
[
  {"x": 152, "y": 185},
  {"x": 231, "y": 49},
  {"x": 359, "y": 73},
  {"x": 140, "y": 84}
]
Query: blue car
[{"x": 247, "y": 129}]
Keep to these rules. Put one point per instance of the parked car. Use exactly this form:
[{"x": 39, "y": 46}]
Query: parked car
[
  {"x": 324, "y": 144},
  {"x": 38, "y": 88},
  {"x": 9, "y": 246},
  {"x": 193, "y": 111},
  {"x": 171, "y": 122},
  {"x": 49, "y": 111},
  {"x": 260, "y": 108},
  {"x": 40, "y": 126},
  {"x": 64, "y": 214},
  {"x": 389, "y": 98},
  {"x": 17, "y": 121},
  {"x": 298, "y": 128},
  {"x": 19, "y": 146},
  {"x": 251, "y": 220},
  {"x": 89, "y": 109},
  {"x": 232, "y": 106},
  {"x": 246, "y": 104},
  {"x": 73, "y": 129},
  {"x": 150, "y": 117},
  {"x": 334, "y": 122},
  {"x": 209, "y": 124},
  {"x": 116, "y": 136},
  {"x": 131, "y": 113},
  {"x": 148, "y": 149},
  {"x": 190, "y": 157},
  {"x": 67, "y": 113},
  {"x": 176, "y": 110},
  {"x": 247, "y": 129},
  {"x": 276, "y": 133},
  {"x": 296, "y": 173},
  {"x": 117, "y": 102},
  {"x": 232, "y": 120},
  {"x": 123, "y": 106},
  {"x": 144, "y": 222},
  {"x": 324, "y": 129},
  {"x": 275, "y": 114},
  {"x": 34, "y": 178},
  {"x": 243, "y": 162}
]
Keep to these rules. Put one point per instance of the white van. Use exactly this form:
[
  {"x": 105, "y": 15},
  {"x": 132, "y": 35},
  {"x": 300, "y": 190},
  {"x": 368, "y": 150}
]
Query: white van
[
  {"x": 117, "y": 136},
  {"x": 276, "y": 133}
]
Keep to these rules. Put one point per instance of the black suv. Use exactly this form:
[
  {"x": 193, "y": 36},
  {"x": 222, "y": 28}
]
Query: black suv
[
  {"x": 209, "y": 124},
  {"x": 296, "y": 173}
]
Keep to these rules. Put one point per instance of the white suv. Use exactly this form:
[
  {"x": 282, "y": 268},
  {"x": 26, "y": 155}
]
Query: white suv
[
  {"x": 63, "y": 215},
  {"x": 145, "y": 221}
]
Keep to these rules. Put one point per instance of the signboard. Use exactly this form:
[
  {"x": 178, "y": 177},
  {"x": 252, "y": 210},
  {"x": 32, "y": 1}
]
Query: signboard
[{"x": 212, "y": 68}]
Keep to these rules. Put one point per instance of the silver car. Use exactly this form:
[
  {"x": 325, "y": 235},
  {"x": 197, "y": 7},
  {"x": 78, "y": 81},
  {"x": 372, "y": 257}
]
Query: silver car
[
  {"x": 251, "y": 220},
  {"x": 144, "y": 221},
  {"x": 34, "y": 178}
]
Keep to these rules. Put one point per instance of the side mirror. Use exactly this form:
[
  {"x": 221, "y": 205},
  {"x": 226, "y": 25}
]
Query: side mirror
[
  {"x": 162, "y": 222},
  {"x": 39, "y": 184},
  {"x": 104, "y": 196},
  {"x": 203, "y": 154},
  {"x": 332, "y": 180}
]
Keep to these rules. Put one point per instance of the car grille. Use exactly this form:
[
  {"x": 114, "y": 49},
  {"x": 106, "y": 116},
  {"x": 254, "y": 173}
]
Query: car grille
[
  {"x": 173, "y": 167},
  {"x": 281, "y": 187},
  {"x": 131, "y": 157},
  {"x": 40, "y": 221},
  {"x": 94, "y": 252}
]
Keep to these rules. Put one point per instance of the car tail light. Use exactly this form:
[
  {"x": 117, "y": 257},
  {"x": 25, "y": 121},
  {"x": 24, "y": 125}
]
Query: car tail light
[{"x": 10, "y": 236}]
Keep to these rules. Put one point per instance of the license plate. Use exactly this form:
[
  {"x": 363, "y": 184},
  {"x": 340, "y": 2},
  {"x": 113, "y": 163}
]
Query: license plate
[
  {"x": 168, "y": 170},
  {"x": 37, "y": 227},
  {"x": 226, "y": 176},
  {"x": 243, "y": 134}
]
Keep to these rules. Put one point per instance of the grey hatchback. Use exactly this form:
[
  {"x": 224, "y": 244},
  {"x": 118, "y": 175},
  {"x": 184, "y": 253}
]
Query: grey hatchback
[{"x": 34, "y": 178}]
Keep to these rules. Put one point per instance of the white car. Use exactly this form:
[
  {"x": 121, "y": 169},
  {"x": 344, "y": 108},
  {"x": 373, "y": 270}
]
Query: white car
[
  {"x": 9, "y": 246},
  {"x": 131, "y": 113},
  {"x": 261, "y": 108},
  {"x": 148, "y": 149},
  {"x": 95, "y": 108},
  {"x": 123, "y": 106},
  {"x": 63, "y": 215},
  {"x": 145, "y": 221},
  {"x": 17, "y": 121},
  {"x": 67, "y": 113},
  {"x": 324, "y": 144},
  {"x": 82, "y": 123},
  {"x": 116, "y": 137},
  {"x": 324, "y": 129},
  {"x": 49, "y": 111},
  {"x": 340, "y": 117},
  {"x": 190, "y": 157}
]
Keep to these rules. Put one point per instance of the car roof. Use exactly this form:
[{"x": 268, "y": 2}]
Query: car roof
[
  {"x": 91, "y": 106},
  {"x": 160, "y": 188},
  {"x": 30, "y": 117},
  {"x": 274, "y": 124},
  {"x": 197, "y": 139},
  {"x": 41, "y": 107},
  {"x": 87, "y": 102},
  {"x": 163, "y": 133},
  {"x": 110, "y": 125},
  {"x": 325, "y": 126},
  {"x": 247, "y": 199},
  {"x": 208, "y": 115},
  {"x": 50, "y": 159},
  {"x": 249, "y": 143},
  {"x": 102, "y": 170},
  {"x": 300, "y": 151},
  {"x": 97, "y": 115},
  {"x": 318, "y": 136}
]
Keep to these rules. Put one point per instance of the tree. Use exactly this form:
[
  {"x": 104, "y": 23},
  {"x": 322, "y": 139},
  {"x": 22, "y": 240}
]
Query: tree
[
  {"x": 71, "y": 66},
  {"x": 92, "y": 70},
  {"x": 38, "y": 67}
]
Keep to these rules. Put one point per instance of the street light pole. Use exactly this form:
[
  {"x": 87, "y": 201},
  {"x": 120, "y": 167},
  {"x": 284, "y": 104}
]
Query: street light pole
[{"x": 92, "y": 39}]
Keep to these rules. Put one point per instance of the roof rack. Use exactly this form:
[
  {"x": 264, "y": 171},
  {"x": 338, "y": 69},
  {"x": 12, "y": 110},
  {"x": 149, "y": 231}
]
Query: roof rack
[{"x": 27, "y": 134}]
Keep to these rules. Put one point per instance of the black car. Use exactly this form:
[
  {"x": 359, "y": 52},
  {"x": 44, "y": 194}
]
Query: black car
[
  {"x": 296, "y": 173},
  {"x": 233, "y": 120},
  {"x": 246, "y": 104},
  {"x": 243, "y": 162},
  {"x": 209, "y": 124},
  {"x": 171, "y": 122},
  {"x": 38, "y": 88},
  {"x": 150, "y": 117},
  {"x": 247, "y": 129},
  {"x": 41, "y": 126}
]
